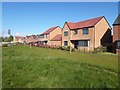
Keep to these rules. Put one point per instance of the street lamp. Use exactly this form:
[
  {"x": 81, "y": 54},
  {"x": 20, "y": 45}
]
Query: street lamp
[{"x": 70, "y": 42}]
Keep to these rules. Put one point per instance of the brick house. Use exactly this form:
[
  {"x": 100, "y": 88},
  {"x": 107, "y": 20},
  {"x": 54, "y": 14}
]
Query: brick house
[
  {"x": 32, "y": 39},
  {"x": 19, "y": 39},
  {"x": 52, "y": 36},
  {"x": 116, "y": 35},
  {"x": 87, "y": 34}
]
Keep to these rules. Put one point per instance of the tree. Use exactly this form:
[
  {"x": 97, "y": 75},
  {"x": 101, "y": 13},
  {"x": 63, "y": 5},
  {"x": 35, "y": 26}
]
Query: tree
[
  {"x": 10, "y": 38},
  {"x": 1, "y": 39},
  {"x": 6, "y": 39}
]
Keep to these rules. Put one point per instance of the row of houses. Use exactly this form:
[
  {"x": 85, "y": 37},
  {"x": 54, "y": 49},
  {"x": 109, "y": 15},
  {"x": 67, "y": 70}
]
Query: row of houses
[{"x": 88, "y": 34}]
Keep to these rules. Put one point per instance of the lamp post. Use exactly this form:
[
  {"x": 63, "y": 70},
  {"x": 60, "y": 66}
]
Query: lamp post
[
  {"x": 30, "y": 45},
  {"x": 70, "y": 42}
]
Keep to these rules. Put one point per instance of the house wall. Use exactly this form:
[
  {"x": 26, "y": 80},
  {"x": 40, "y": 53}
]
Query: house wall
[
  {"x": 15, "y": 40},
  {"x": 116, "y": 36},
  {"x": 116, "y": 33},
  {"x": 51, "y": 35},
  {"x": 97, "y": 36},
  {"x": 45, "y": 39},
  {"x": 30, "y": 39},
  {"x": 102, "y": 29},
  {"x": 55, "y": 43},
  {"x": 55, "y": 32},
  {"x": 89, "y": 36},
  {"x": 66, "y": 38},
  {"x": 20, "y": 40},
  {"x": 78, "y": 36}
]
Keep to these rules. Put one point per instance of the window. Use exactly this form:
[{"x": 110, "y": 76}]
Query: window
[
  {"x": 66, "y": 33},
  {"x": 85, "y": 31},
  {"x": 83, "y": 43},
  {"x": 75, "y": 32},
  {"x": 65, "y": 43},
  {"x": 118, "y": 44},
  {"x": 41, "y": 36}
]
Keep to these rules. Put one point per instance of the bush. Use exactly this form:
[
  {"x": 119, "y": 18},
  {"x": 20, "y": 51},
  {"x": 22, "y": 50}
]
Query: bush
[
  {"x": 4, "y": 45},
  {"x": 100, "y": 49},
  {"x": 63, "y": 47},
  {"x": 67, "y": 48},
  {"x": 73, "y": 49},
  {"x": 59, "y": 47}
]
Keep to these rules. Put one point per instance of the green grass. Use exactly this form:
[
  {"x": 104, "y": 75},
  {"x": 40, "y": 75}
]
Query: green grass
[
  {"x": 0, "y": 67},
  {"x": 50, "y": 68}
]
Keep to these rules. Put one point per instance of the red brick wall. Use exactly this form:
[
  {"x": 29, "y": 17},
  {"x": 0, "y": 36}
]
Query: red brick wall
[
  {"x": 117, "y": 51},
  {"x": 116, "y": 33}
]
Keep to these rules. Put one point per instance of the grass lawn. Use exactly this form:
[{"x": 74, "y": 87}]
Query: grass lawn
[{"x": 51, "y": 68}]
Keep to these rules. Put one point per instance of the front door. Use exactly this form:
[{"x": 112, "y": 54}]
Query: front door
[
  {"x": 45, "y": 42},
  {"x": 75, "y": 44}
]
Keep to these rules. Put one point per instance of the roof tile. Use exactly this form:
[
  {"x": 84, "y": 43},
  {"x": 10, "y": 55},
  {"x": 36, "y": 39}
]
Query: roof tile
[
  {"x": 117, "y": 21},
  {"x": 85, "y": 23},
  {"x": 57, "y": 37},
  {"x": 50, "y": 30}
]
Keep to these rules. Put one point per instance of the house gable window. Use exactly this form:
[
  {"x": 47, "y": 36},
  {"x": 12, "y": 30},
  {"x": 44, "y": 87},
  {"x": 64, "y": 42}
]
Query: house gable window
[
  {"x": 84, "y": 43},
  {"x": 85, "y": 31},
  {"x": 75, "y": 32},
  {"x": 65, "y": 33},
  {"x": 65, "y": 43}
]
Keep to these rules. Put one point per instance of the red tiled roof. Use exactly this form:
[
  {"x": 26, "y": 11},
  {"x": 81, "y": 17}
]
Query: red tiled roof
[
  {"x": 83, "y": 24},
  {"x": 50, "y": 30},
  {"x": 57, "y": 37},
  {"x": 19, "y": 37}
]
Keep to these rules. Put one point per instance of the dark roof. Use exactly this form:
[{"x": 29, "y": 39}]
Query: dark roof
[
  {"x": 85, "y": 23},
  {"x": 57, "y": 37},
  {"x": 50, "y": 30},
  {"x": 117, "y": 21}
]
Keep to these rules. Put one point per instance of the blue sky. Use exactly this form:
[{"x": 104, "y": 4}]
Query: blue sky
[{"x": 36, "y": 17}]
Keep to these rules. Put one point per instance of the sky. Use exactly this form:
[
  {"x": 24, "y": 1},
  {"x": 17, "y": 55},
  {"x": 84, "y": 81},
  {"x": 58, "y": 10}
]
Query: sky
[{"x": 25, "y": 18}]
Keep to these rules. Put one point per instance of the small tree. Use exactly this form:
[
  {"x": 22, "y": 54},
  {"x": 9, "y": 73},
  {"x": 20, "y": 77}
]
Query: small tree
[
  {"x": 10, "y": 38},
  {"x": 1, "y": 39}
]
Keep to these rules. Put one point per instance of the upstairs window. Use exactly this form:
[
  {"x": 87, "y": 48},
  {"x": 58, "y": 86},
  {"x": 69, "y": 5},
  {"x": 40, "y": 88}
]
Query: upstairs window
[
  {"x": 41, "y": 36},
  {"x": 75, "y": 32},
  {"x": 65, "y": 33},
  {"x": 85, "y": 31}
]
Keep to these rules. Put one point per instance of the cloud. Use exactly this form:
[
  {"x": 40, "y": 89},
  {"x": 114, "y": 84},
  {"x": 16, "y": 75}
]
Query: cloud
[
  {"x": 17, "y": 34},
  {"x": 29, "y": 34}
]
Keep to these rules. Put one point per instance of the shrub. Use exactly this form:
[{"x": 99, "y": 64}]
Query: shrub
[
  {"x": 59, "y": 47},
  {"x": 63, "y": 48},
  {"x": 73, "y": 49},
  {"x": 4, "y": 45},
  {"x": 100, "y": 49},
  {"x": 67, "y": 48}
]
